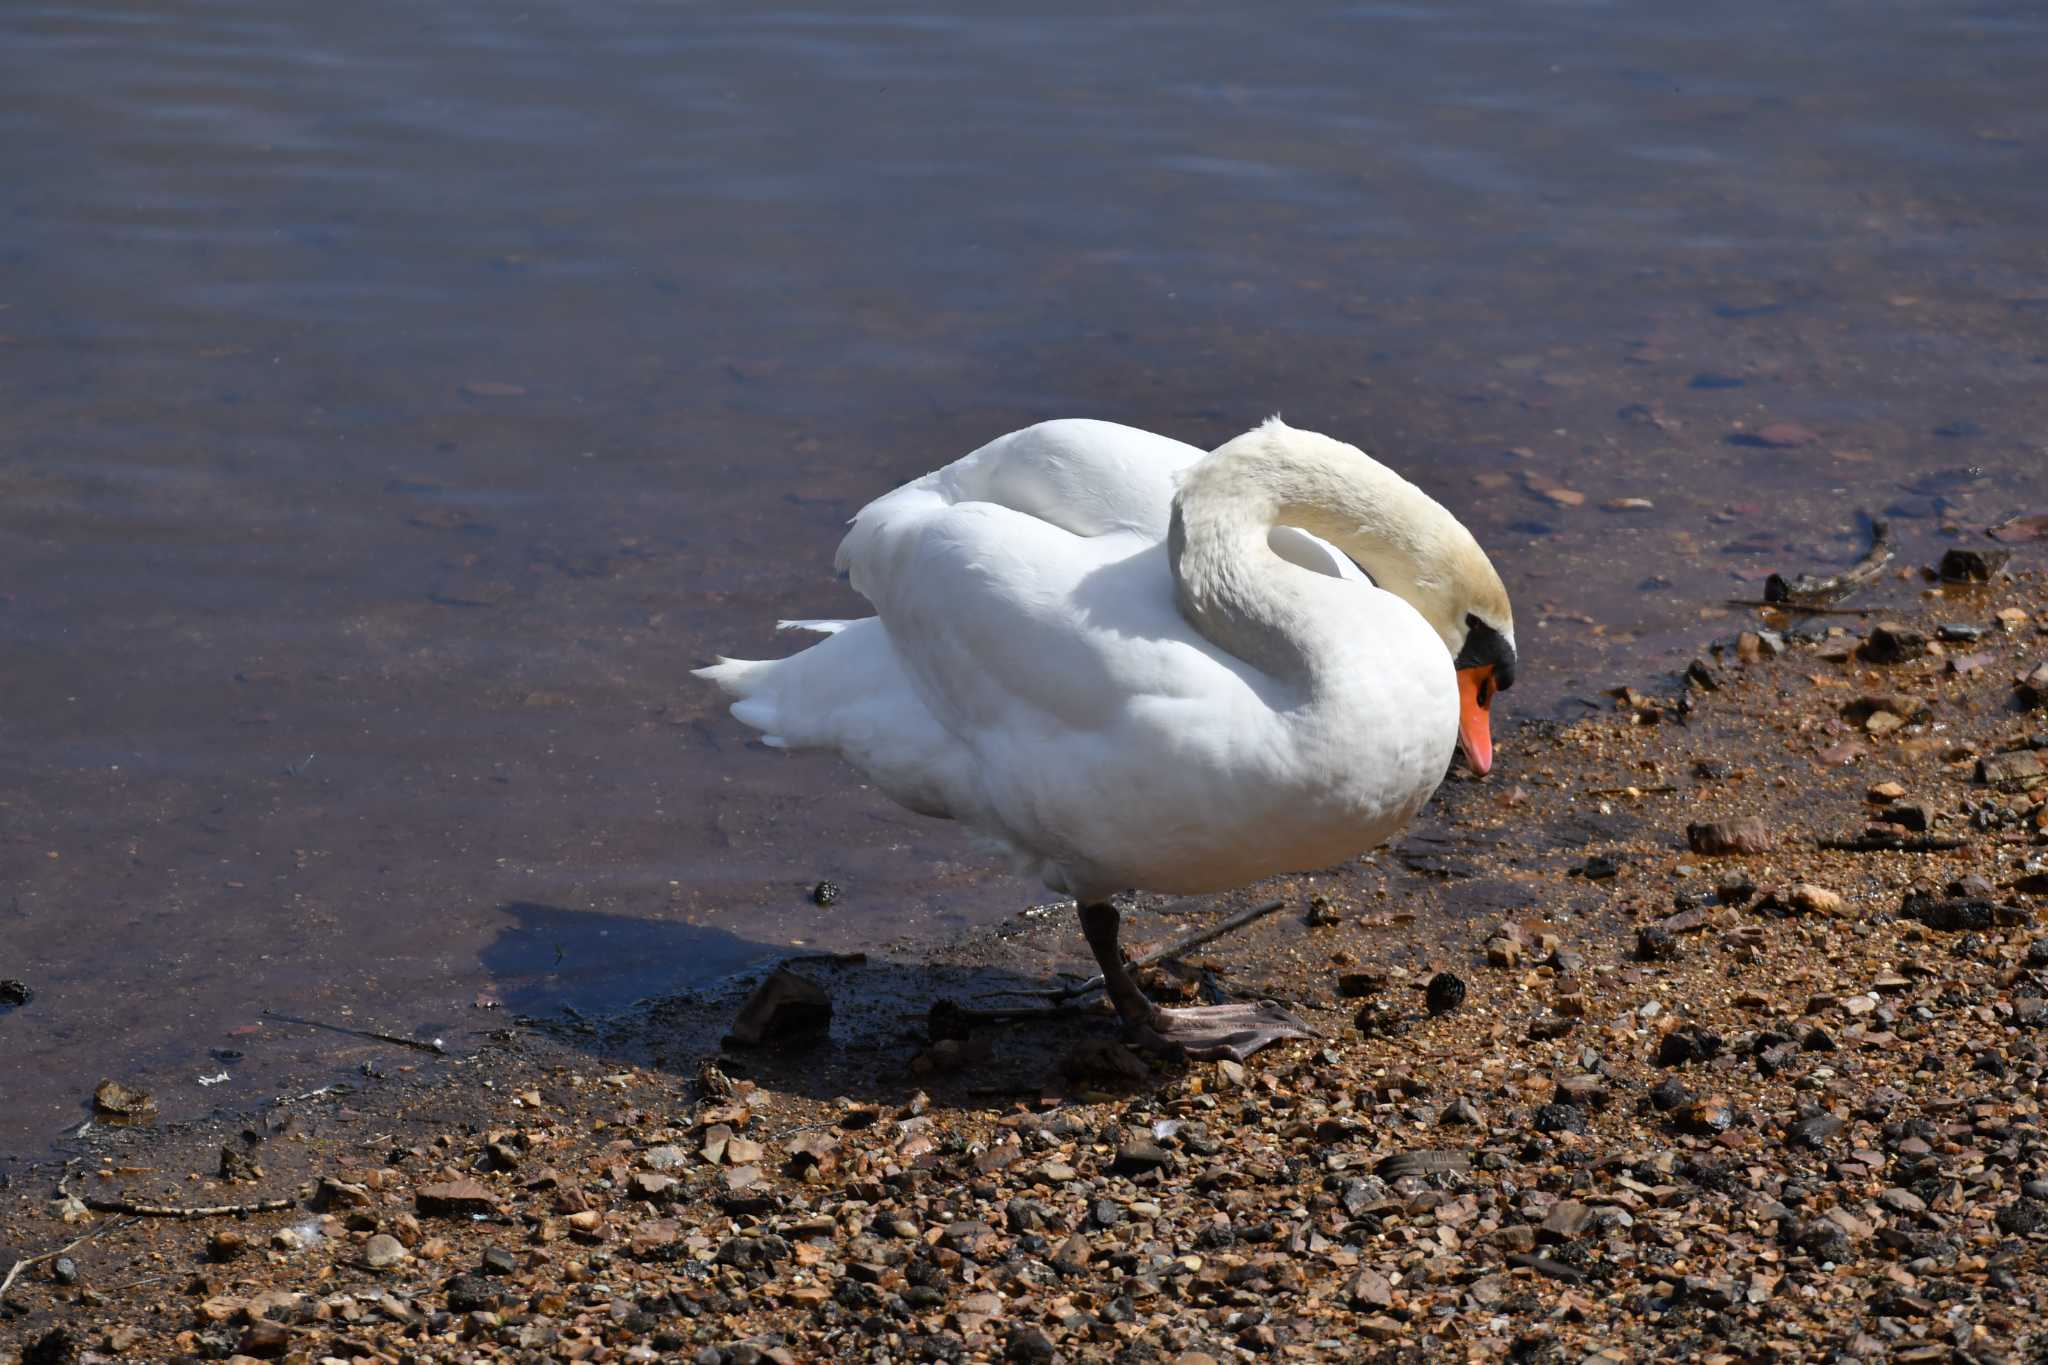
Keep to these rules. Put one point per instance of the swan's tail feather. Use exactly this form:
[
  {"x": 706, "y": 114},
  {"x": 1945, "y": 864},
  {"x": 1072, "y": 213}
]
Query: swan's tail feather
[
  {"x": 850, "y": 692},
  {"x": 745, "y": 681}
]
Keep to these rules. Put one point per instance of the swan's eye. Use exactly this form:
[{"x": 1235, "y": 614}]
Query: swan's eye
[{"x": 1487, "y": 648}]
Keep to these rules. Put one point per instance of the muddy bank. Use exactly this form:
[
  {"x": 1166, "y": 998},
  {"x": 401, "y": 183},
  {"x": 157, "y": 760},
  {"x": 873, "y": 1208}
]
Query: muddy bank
[{"x": 1742, "y": 1061}]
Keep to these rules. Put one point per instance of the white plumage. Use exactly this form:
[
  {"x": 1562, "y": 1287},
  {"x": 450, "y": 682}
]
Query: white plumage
[{"x": 1134, "y": 665}]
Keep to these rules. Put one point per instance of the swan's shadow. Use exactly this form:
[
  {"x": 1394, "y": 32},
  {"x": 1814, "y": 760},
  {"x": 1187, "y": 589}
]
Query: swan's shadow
[{"x": 662, "y": 995}]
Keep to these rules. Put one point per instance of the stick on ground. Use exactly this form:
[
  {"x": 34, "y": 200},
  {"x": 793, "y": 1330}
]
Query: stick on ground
[
  {"x": 101, "y": 1204},
  {"x": 25, "y": 1262},
  {"x": 424, "y": 1045}
]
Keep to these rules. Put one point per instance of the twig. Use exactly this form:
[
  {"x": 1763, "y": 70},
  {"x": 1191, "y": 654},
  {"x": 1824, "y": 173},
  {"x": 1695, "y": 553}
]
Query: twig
[
  {"x": 420, "y": 1044},
  {"x": 826, "y": 959},
  {"x": 1630, "y": 791},
  {"x": 1893, "y": 843},
  {"x": 25, "y": 1262},
  {"x": 1806, "y": 591},
  {"x": 99, "y": 1204},
  {"x": 1801, "y": 608},
  {"x": 1167, "y": 950}
]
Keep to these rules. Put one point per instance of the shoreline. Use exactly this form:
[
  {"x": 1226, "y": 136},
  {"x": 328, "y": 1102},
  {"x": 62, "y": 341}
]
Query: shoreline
[{"x": 1710, "y": 1091}]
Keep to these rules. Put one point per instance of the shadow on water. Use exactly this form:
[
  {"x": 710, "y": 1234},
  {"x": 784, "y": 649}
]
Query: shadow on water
[
  {"x": 663, "y": 995},
  {"x": 549, "y": 956}
]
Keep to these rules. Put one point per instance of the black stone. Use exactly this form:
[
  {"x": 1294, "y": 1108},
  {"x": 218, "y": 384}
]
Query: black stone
[
  {"x": 1446, "y": 993},
  {"x": 470, "y": 1294}
]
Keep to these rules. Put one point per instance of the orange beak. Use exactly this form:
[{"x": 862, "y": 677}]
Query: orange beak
[{"x": 1475, "y": 728}]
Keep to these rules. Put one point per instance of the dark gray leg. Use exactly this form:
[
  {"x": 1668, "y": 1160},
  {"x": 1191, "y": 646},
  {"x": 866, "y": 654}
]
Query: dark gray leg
[
  {"x": 1099, "y": 926},
  {"x": 1209, "y": 1032}
]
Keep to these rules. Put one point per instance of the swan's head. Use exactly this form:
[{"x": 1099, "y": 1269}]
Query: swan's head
[
  {"x": 1408, "y": 544},
  {"x": 1482, "y": 644}
]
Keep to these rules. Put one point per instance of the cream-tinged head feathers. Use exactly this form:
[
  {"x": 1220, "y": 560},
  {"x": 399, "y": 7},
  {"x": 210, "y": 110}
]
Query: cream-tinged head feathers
[{"x": 1400, "y": 536}]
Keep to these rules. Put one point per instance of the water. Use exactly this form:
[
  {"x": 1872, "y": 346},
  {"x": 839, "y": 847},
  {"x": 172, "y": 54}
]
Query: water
[{"x": 396, "y": 401}]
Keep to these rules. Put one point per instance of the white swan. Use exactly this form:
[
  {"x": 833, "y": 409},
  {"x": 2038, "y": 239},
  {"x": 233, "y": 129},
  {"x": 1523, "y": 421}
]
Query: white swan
[{"x": 1136, "y": 666}]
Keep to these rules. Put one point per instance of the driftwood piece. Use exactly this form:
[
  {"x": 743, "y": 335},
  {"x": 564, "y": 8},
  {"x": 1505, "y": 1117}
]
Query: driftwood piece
[
  {"x": 101, "y": 1204},
  {"x": 1807, "y": 591}
]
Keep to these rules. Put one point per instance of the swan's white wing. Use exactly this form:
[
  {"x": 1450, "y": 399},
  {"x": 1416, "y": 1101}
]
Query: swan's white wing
[{"x": 1086, "y": 477}]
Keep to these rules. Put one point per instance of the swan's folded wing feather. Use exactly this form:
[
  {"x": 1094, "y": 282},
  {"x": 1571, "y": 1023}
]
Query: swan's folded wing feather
[
  {"x": 1086, "y": 477},
  {"x": 1011, "y": 625}
]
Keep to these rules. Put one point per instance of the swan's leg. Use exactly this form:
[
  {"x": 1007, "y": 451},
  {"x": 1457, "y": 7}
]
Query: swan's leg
[{"x": 1207, "y": 1032}]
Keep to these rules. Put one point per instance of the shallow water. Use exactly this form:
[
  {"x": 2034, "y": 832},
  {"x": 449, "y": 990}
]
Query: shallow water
[{"x": 395, "y": 402}]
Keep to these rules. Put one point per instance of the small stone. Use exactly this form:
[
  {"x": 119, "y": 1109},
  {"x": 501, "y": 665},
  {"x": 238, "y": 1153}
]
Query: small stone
[
  {"x": 1029, "y": 1345},
  {"x": 1779, "y": 436},
  {"x": 454, "y": 1199},
  {"x": 1655, "y": 943},
  {"x": 470, "y": 1294},
  {"x": 664, "y": 1158},
  {"x": 2022, "y": 766},
  {"x": 1670, "y": 1095},
  {"x": 1708, "y": 1116},
  {"x": 1586, "y": 1092},
  {"x": 1687, "y": 1044},
  {"x": 383, "y": 1251},
  {"x": 2033, "y": 688},
  {"x": 1883, "y": 792},
  {"x": 824, "y": 893},
  {"x": 1813, "y": 1131},
  {"x": 14, "y": 992},
  {"x": 1964, "y": 565},
  {"x": 2023, "y": 1219},
  {"x": 1902, "y": 1201},
  {"x": 1559, "y": 1118},
  {"x": 1566, "y": 1220},
  {"x": 1370, "y": 1290},
  {"x": 1916, "y": 816},
  {"x": 1358, "y": 985},
  {"x": 498, "y": 1261},
  {"x": 652, "y": 1185},
  {"x": 1747, "y": 836},
  {"x": 784, "y": 1008},
  {"x": 264, "y": 1340},
  {"x": 112, "y": 1097},
  {"x": 1890, "y": 643},
  {"x": 1136, "y": 1157},
  {"x": 1816, "y": 900},
  {"x": 1446, "y": 993}
]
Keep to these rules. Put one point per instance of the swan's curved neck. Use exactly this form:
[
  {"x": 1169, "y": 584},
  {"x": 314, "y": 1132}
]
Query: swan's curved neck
[{"x": 1242, "y": 596}]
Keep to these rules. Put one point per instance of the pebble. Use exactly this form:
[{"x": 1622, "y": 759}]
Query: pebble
[
  {"x": 383, "y": 1251},
  {"x": 1890, "y": 643},
  {"x": 1720, "y": 837},
  {"x": 469, "y": 1293},
  {"x": 1446, "y": 992}
]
